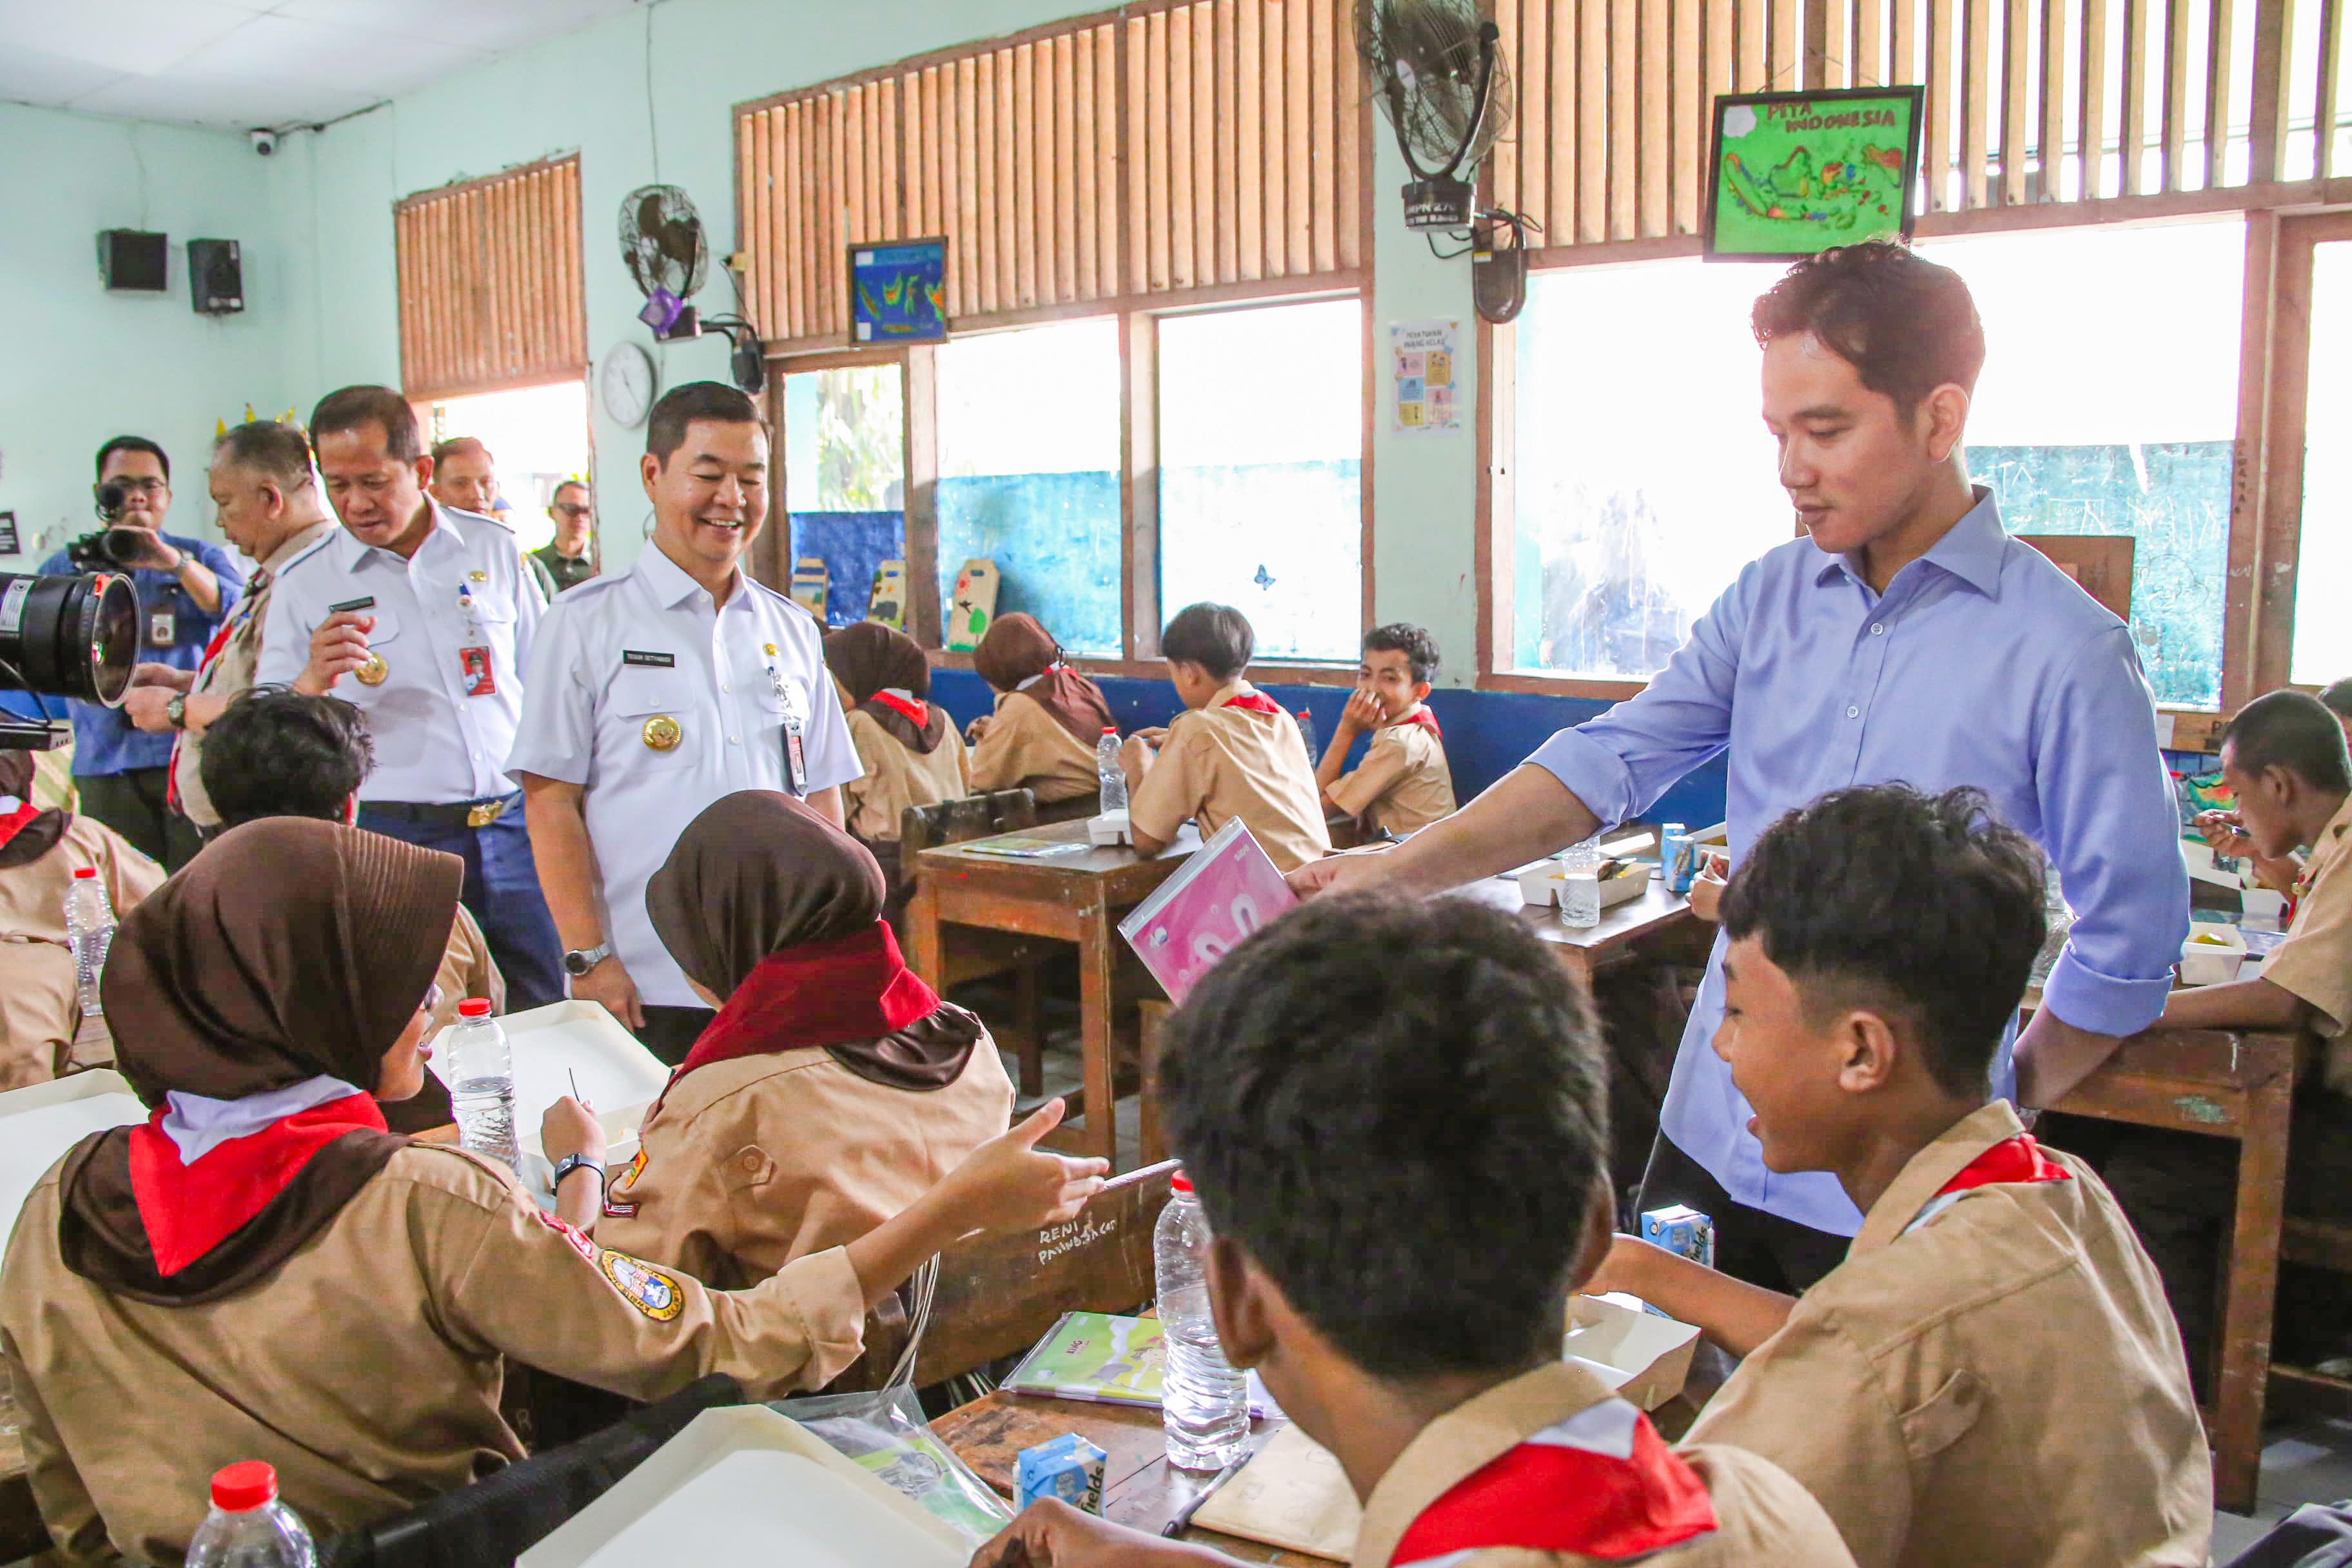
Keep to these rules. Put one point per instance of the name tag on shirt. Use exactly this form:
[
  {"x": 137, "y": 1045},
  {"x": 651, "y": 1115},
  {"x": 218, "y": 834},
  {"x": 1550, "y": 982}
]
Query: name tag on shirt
[
  {"x": 474, "y": 672},
  {"x": 637, "y": 658},
  {"x": 163, "y": 628}
]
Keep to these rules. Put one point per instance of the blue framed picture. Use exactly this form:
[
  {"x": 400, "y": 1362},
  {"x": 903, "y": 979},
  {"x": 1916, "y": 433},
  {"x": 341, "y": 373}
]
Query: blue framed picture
[{"x": 898, "y": 293}]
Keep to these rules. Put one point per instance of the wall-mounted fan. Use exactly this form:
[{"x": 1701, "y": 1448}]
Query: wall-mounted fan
[{"x": 663, "y": 247}]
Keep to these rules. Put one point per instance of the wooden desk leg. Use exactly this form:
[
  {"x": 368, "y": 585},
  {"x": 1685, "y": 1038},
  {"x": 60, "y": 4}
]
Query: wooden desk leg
[
  {"x": 1095, "y": 957},
  {"x": 2252, "y": 1294},
  {"x": 1154, "y": 1140},
  {"x": 928, "y": 958}
]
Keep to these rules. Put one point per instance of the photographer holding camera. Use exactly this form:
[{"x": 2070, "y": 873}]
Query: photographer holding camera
[{"x": 184, "y": 587}]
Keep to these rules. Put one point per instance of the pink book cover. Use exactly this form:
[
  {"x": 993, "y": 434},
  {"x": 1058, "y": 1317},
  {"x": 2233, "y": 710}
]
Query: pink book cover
[{"x": 1226, "y": 891}]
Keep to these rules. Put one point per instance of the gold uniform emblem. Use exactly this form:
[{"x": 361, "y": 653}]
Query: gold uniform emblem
[
  {"x": 662, "y": 733},
  {"x": 771, "y": 650},
  {"x": 374, "y": 671},
  {"x": 478, "y": 577}
]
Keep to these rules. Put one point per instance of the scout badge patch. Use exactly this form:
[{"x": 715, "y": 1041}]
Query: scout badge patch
[{"x": 648, "y": 1289}]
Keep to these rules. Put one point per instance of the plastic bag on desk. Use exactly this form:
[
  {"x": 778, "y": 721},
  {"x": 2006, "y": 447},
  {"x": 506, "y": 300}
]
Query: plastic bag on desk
[{"x": 883, "y": 1430}]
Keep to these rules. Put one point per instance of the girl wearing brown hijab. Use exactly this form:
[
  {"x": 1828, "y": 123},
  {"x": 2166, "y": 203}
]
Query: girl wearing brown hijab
[
  {"x": 1048, "y": 717},
  {"x": 911, "y": 748},
  {"x": 40, "y": 850},
  {"x": 261, "y": 1271},
  {"x": 833, "y": 1088}
]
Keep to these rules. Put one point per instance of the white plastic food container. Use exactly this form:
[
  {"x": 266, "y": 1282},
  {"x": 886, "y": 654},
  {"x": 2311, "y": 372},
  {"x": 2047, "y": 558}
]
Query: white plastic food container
[{"x": 2211, "y": 955}]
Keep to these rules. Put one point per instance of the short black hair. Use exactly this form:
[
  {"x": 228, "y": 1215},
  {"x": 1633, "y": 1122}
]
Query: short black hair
[
  {"x": 276, "y": 752},
  {"x": 1418, "y": 646},
  {"x": 691, "y": 403},
  {"x": 2337, "y": 695},
  {"x": 2294, "y": 731},
  {"x": 350, "y": 407},
  {"x": 457, "y": 443},
  {"x": 1217, "y": 637},
  {"x": 132, "y": 444},
  {"x": 280, "y": 451},
  {"x": 1925, "y": 907},
  {"x": 1906, "y": 324},
  {"x": 561, "y": 485},
  {"x": 1400, "y": 1107}
]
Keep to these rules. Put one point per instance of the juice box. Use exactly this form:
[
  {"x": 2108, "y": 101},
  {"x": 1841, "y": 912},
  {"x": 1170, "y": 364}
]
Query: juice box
[
  {"x": 1682, "y": 1230},
  {"x": 1069, "y": 1468}
]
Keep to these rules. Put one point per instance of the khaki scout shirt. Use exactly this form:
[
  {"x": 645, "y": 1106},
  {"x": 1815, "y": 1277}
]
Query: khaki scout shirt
[
  {"x": 40, "y": 1005},
  {"x": 1220, "y": 763},
  {"x": 2002, "y": 1384},
  {"x": 1026, "y": 747},
  {"x": 368, "y": 1367},
  {"x": 2314, "y": 961},
  {"x": 1403, "y": 784},
  {"x": 896, "y": 776},
  {"x": 230, "y": 670},
  {"x": 751, "y": 1163},
  {"x": 1762, "y": 1518}
]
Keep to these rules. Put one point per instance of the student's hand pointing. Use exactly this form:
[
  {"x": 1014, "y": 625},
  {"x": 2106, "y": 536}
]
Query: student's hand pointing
[{"x": 1009, "y": 1184}]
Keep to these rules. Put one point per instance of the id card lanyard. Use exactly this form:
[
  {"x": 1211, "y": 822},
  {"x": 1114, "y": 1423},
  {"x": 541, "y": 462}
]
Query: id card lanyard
[
  {"x": 796, "y": 754},
  {"x": 475, "y": 676}
]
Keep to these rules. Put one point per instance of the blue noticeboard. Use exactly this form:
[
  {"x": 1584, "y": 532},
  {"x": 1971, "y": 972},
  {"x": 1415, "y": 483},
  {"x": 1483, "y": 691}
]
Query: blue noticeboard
[{"x": 898, "y": 293}]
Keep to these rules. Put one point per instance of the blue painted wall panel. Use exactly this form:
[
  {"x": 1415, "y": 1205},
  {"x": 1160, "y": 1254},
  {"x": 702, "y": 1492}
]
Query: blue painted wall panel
[
  {"x": 851, "y": 544},
  {"x": 1055, "y": 542}
]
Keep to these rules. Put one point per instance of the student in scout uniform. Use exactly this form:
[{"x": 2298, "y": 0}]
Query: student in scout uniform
[
  {"x": 656, "y": 691},
  {"x": 270, "y": 506},
  {"x": 279, "y": 752},
  {"x": 1235, "y": 753},
  {"x": 907, "y": 743},
  {"x": 1907, "y": 636},
  {"x": 1403, "y": 784},
  {"x": 1048, "y": 720},
  {"x": 41, "y": 848},
  {"x": 1404, "y": 1191},
  {"x": 282, "y": 1279},
  {"x": 420, "y": 617},
  {"x": 1990, "y": 1376},
  {"x": 836, "y": 1087},
  {"x": 2285, "y": 759}
]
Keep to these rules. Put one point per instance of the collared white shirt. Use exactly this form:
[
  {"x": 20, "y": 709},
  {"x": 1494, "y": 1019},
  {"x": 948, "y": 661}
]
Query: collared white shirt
[
  {"x": 433, "y": 743},
  {"x": 619, "y": 653}
]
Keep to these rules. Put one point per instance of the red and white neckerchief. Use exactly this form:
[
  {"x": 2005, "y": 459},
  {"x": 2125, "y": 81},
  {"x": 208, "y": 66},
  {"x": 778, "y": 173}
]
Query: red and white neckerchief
[
  {"x": 1425, "y": 718},
  {"x": 17, "y": 817},
  {"x": 1602, "y": 1483},
  {"x": 915, "y": 712},
  {"x": 1252, "y": 702},
  {"x": 2010, "y": 1161},
  {"x": 221, "y": 634}
]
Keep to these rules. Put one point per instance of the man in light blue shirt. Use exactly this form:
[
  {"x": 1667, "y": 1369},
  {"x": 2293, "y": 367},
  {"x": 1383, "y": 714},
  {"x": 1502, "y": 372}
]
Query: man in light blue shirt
[{"x": 1907, "y": 638}]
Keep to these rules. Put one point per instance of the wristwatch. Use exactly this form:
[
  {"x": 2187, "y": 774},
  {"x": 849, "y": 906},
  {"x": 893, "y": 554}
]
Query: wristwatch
[
  {"x": 570, "y": 1163},
  {"x": 177, "y": 710},
  {"x": 581, "y": 960}
]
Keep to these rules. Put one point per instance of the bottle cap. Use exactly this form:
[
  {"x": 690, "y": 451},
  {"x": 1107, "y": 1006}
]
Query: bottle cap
[
  {"x": 1179, "y": 1182},
  {"x": 247, "y": 1484},
  {"x": 474, "y": 1007},
  {"x": 83, "y": 872},
  {"x": 1111, "y": 728}
]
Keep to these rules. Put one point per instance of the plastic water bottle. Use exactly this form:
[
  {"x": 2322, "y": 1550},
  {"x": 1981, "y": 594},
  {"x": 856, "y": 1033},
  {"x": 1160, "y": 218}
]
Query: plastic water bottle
[
  {"x": 248, "y": 1526},
  {"x": 90, "y": 928},
  {"x": 482, "y": 1075},
  {"x": 1306, "y": 733},
  {"x": 1204, "y": 1407},
  {"x": 1107, "y": 769}
]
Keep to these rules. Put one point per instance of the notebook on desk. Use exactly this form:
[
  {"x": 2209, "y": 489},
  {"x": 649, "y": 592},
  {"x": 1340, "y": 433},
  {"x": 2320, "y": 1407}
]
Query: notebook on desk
[{"x": 1222, "y": 895}]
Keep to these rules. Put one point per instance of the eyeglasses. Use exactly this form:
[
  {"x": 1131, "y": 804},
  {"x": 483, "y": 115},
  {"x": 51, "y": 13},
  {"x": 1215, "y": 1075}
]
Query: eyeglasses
[
  {"x": 572, "y": 509},
  {"x": 149, "y": 487}
]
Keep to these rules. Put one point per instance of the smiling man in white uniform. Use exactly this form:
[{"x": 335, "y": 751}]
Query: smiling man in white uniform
[
  {"x": 658, "y": 691},
  {"x": 420, "y": 614}
]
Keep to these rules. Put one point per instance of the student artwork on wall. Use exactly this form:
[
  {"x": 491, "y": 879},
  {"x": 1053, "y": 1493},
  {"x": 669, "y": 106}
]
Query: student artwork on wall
[
  {"x": 898, "y": 293},
  {"x": 1425, "y": 366},
  {"x": 812, "y": 585},
  {"x": 974, "y": 604},
  {"x": 888, "y": 605},
  {"x": 1797, "y": 173}
]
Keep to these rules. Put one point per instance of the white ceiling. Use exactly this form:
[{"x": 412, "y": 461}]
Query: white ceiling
[{"x": 238, "y": 64}]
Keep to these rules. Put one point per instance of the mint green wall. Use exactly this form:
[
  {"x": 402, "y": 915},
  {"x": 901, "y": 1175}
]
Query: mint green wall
[{"x": 81, "y": 364}]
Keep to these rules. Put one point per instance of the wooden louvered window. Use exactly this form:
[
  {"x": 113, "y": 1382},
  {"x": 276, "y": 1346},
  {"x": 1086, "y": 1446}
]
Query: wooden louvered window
[
  {"x": 490, "y": 293},
  {"x": 1209, "y": 148}
]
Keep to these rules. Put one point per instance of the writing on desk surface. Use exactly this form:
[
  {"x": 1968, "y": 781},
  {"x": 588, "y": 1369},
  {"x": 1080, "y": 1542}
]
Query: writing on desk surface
[{"x": 1054, "y": 1240}]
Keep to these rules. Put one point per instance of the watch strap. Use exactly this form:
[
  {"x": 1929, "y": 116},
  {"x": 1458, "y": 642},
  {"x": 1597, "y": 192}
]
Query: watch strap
[
  {"x": 581, "y": 960},
  {"x": 570, "y": 1163}
]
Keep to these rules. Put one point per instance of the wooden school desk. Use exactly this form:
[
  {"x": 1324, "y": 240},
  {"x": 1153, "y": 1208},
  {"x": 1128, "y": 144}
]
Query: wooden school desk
[
  {"x": 1076, "y": 897},
  {"x": 21, "y": 1534}
]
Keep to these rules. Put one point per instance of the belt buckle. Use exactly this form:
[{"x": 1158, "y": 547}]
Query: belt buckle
[{"x": 485, "y": 813}]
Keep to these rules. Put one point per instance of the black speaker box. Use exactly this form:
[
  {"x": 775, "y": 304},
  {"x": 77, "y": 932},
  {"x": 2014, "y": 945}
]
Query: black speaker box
[
  {"x": 130, "y": 259},
  {"x": 215, "y": 277}
]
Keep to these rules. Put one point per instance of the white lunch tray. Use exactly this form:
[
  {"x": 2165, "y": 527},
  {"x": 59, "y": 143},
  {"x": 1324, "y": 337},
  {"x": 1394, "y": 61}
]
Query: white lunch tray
[
  {"x": 553, "y": 1045},
  {"x": 39, "y": 1123},
  {"x": 1644, "y": 1357}
]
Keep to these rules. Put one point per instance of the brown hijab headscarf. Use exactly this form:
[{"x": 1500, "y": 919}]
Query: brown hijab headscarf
[
  {"x": 766, "y": 903},
  {"x": 869, "y": 658},
  {"x": 38, "y": 837},
  {"x": 1014, "y": 649},
  {"x": 291, "y": 948}
]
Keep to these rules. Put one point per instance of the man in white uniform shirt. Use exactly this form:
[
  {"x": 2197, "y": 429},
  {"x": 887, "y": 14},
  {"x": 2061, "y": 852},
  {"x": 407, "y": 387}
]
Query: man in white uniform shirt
[
  {"x": 421, "y": 617},
  {"x": 658, "y": 691}
]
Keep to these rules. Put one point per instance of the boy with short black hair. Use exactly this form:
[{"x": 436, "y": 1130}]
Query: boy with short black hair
[
  {"x": 1990, "y": 1376},
  {"x": 1395, "y": 1115},
  {"x": 1233, "y": 753},
  {"x": 1403, "y": 784}
]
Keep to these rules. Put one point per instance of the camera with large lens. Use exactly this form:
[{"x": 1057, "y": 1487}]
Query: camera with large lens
[
  {"x": 69, "y": 636},
  {"x": 115, "y": 545}
]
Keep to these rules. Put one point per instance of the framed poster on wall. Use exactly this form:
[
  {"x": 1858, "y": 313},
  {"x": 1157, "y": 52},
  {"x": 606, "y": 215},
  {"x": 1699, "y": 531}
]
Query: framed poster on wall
[{"x": 1797, "y": 173}]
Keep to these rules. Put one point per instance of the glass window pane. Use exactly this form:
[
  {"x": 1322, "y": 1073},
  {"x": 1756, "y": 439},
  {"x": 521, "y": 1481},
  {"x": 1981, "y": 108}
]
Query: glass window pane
[
  {"x": 844, "y": 477},
  {"x": 1646, "y": 476},
  {"x": 1261, "y": 473},
  {"x": 538, "y": 437},
  {"x": 2323, "y": 633},
  {"x": 1029, "y": 457},
  {"x": 2109, "y": 405}
]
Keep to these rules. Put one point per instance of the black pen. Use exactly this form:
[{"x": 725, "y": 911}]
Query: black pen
[{"x": 1177, "y": 1526}]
